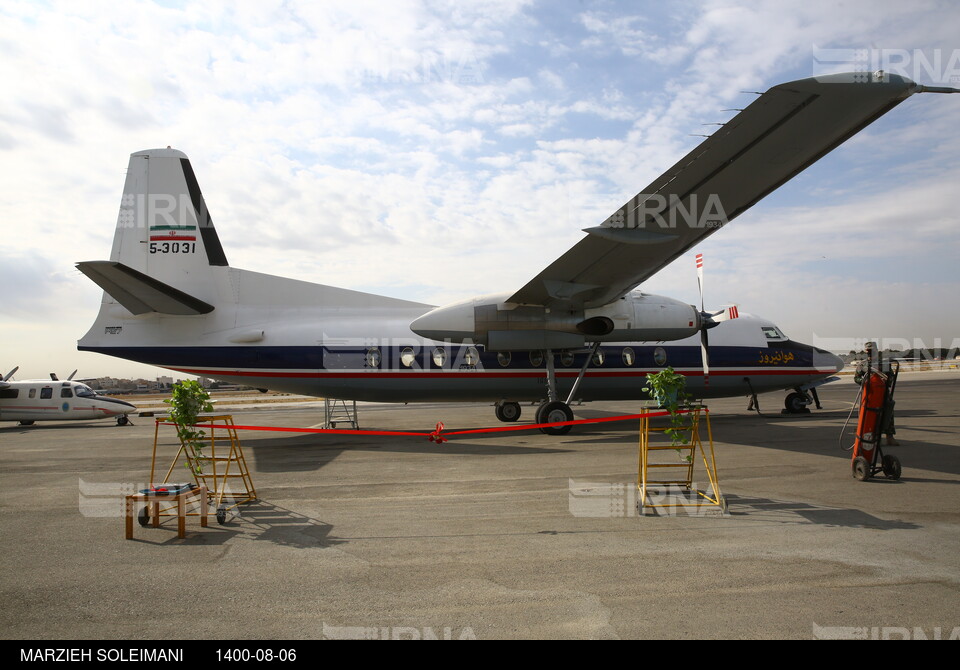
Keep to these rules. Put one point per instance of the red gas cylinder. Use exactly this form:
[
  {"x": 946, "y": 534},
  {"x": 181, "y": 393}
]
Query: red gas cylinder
[{"x": 868, "y": 424}]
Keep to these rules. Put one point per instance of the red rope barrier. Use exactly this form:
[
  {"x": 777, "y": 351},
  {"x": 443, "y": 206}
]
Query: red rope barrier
[{"x": 437, "y": 435}]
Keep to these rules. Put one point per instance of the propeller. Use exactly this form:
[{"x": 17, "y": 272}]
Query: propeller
[
  {"x": 53, "y": 376},
  {"x": 708, "y": 320},
  {"x": 10, "y": 374},
  {"x": 704, "y": 340}
]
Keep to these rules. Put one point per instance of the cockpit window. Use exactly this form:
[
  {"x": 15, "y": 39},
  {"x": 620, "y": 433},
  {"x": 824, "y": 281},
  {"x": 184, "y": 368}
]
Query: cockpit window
[
  {"x": 773, "y": 333},
  {"x": 84, "y": 391}
]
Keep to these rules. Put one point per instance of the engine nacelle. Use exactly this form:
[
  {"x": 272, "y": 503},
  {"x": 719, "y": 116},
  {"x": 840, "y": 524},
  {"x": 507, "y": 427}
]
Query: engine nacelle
[{"x": 502, "y": 326}]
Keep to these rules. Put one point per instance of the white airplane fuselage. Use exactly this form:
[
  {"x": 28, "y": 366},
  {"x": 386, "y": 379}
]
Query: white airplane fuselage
[
  {"x": 311, "y": 339},
  {"x": 50, "y": 400}
]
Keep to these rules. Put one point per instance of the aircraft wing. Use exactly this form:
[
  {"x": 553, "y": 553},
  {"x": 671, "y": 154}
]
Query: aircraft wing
[{"x": 779, "y": 135}]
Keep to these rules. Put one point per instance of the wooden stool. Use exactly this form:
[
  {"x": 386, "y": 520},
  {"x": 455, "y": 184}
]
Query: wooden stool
[{"x": 153, "y": 501}]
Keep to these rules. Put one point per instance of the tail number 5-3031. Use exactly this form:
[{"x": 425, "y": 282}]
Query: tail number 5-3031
[{"x": 173, "y": 247}]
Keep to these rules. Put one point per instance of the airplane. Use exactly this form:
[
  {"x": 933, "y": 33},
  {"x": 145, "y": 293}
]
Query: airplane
[
  {"x": 580, "y": 330},
  {"x": 55, "y": 400}
]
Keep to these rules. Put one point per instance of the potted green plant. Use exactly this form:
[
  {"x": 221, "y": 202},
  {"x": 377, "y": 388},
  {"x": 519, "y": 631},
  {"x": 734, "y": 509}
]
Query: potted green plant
[
  {"x": 188, "y": 400},
  {"x": 666, "y": 389}
]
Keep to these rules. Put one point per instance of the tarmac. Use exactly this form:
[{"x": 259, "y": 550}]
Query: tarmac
[{"x": 493, "y": 535}]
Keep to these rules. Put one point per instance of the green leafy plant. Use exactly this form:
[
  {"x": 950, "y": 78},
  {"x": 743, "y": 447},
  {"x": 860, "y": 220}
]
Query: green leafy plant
[
  {"x": 666, "y": 389},
  {"x": 189, "y": 399}
]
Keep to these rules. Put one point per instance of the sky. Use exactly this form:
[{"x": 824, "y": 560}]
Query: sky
[{"x": 433, "y": 151}]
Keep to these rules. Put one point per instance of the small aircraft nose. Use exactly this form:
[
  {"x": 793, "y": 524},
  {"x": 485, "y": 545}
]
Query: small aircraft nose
[{"x": 117, "y": 406}]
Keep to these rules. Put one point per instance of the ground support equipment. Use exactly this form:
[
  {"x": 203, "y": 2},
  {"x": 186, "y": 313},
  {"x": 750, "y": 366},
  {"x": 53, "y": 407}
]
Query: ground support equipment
[
  {"x": 656, "y": 456},
  {"x": 218, "y": 464}
]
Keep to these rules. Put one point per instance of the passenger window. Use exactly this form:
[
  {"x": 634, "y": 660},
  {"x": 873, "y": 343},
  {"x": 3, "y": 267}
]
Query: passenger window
[
  {"x": 373, "y": 358},
  {"x": 598, "y": 358},
  {"x": 407, "y": 357},
  {"x": 503, "y": 358},
  {"x": 439, "y": 356},
  {"x": 9, "y": 394},
  {"x": 33, "y": 393},
  {"x": 472, "y": 356},
  {"x": 66, "y": 393},
  {"x": 46, "y": 393},
  {"x": 628, "y": 357},
  {"x": 660, "y": 356},
  {"x": 566, "y": 358},
  {"x": 536, "y": 358}
]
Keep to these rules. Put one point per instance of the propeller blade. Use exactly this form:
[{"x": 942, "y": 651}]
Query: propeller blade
[
  {"x": 704, "y": 356},
  {"x": 10, "y": 374},
  {"x": 71, "y": 375},
  {"x": 700, "y": 278},
  {"x": 705, "y": 321},
  {"x": 53, "y": 376},
  {"x": 711, "y": 319}
]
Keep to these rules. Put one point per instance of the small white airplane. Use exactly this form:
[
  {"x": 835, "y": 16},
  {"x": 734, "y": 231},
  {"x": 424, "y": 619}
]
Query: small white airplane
[
  {"x": 54, "y": 400},
  {"x": 578, "y": 331}
]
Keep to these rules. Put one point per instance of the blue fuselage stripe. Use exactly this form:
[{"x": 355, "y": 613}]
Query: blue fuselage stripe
[{"x": 341, "y": 358}]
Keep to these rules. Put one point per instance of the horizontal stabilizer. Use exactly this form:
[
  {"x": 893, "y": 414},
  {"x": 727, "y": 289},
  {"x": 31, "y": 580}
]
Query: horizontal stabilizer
[{"x": 140, "y": 293}]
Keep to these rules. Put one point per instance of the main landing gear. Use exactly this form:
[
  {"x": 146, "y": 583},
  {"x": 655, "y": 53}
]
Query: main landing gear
[
  {"x": 553, "y": 410},
  {"x": 508, "y": 412}
]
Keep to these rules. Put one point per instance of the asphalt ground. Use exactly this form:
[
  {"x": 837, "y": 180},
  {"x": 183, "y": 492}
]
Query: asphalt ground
[{"x": 494, "y": 535}]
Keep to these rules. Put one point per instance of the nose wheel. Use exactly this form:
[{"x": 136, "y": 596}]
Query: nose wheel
[{"x": 796, "y": 403}]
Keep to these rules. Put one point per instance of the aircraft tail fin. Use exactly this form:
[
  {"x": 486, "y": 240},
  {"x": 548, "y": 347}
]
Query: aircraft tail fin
[{"x": 165, "y": 247}]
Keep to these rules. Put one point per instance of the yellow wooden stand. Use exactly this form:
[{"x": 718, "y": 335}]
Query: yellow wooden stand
[
  {"x": 218, "y": 463},
  {"x": 679, "y": 491}
]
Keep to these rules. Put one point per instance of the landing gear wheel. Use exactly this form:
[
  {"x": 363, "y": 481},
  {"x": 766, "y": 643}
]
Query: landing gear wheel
[
  {"x": 25, "y": 423},
  {"x": 861, "y": 469},
  {"x": 891, "y": 467},
  {"x": 144, "y": 517},
  {"x": 122, "y": 420},
  {"x": 554, "y": 412},
  {"x": 795, "y": 403},
  {"x": 508, "y": 412},
  {"x": 221, "y": 515}
]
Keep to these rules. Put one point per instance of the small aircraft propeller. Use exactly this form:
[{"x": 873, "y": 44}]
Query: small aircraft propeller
[
  {"x": 708, "y": 320},
  {"x": 53, "y": 376},
  {"x": 10, "y": 374}
]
